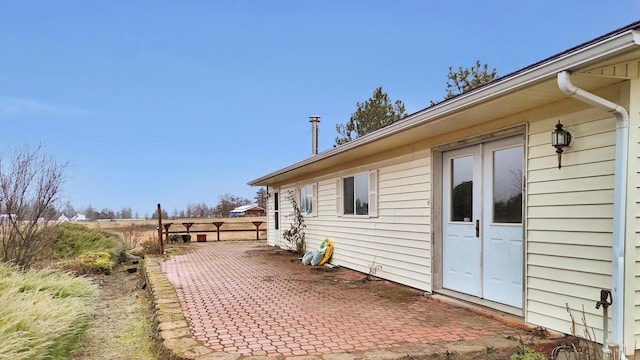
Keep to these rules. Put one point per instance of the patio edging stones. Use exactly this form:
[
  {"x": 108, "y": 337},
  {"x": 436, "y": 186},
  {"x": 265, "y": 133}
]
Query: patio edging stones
[{"x": 176, "y": 340}]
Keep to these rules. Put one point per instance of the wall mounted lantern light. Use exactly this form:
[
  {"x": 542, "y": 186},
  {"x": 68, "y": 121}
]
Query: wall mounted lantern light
[{"x": 559, "y": 139}]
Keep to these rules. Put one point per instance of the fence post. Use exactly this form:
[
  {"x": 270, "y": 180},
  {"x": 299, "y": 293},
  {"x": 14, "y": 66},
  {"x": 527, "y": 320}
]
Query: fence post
[
  {"x": 218, "y": 224},
  {"x": 257, "y": 224},
  {"x": 160, "y": 230}
]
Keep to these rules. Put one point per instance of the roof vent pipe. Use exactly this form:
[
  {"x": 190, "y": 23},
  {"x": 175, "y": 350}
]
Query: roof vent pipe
[
  {"x": 619, "y": 201},
  {"x": 314, "y": 120}
]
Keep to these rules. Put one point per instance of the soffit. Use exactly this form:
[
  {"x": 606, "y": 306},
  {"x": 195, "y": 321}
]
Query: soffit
[{"x": 626, "y": 66}]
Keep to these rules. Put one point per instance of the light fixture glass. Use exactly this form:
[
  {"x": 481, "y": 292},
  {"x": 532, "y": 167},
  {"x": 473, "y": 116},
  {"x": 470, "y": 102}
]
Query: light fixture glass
[{"x": 560, "y": 138}]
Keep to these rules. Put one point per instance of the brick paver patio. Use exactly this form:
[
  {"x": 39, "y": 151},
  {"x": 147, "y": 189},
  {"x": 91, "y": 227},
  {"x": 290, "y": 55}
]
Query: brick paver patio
[{"x": 245, "y": 298}]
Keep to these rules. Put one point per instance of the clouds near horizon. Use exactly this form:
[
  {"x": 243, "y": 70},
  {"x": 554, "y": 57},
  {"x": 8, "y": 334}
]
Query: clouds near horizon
[{"x": 23, "y": 106}]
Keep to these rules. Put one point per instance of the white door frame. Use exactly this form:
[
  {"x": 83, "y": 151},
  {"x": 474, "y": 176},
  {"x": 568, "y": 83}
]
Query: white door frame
[
  {"x": 461, "y": 245},
  {"x": 276, "y": 203},
  {"x": 437, "y": 217}
]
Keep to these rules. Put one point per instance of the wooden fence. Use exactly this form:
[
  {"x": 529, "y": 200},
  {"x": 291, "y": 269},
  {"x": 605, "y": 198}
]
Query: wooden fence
[{"x": 202, "y": 228}]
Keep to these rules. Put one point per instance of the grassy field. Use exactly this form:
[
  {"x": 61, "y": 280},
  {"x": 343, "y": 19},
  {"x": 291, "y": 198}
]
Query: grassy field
[{"x": 138, "y": 232}]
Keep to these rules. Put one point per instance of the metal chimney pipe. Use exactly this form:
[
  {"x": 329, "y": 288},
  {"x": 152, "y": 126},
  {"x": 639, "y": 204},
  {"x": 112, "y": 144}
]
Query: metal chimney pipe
[{"x": 314, "y": 120}]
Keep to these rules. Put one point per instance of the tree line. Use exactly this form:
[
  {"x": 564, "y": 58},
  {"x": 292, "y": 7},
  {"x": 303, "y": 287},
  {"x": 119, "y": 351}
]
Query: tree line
[{"x": 226, "y": 203}]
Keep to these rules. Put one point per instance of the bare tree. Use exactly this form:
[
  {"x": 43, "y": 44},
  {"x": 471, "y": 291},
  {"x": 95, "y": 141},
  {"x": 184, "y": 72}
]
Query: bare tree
[
  {"x": 228, "y": 202},
  {"x": 261, "y": 197},
  {"x": 69, "y": 211},
  {"x": 91, "y": 213},
  {"x": 126, "y": 213},
  {"x": 30, "y": 185}
]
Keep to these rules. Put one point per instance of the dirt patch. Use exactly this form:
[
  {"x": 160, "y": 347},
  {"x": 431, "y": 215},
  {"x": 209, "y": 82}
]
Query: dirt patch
[
  {"x": 121, "y": 326},
  {"x": 346, "y": 278}
]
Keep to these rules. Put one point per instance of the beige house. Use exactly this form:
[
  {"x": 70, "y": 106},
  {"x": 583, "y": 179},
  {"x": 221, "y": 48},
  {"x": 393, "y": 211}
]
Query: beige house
[{"x": 466, "y": 198}]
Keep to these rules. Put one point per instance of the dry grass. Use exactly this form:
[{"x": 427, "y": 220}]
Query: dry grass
[
  {"x": 42, "y": 313},
  {"x": 137, "y": 232}
]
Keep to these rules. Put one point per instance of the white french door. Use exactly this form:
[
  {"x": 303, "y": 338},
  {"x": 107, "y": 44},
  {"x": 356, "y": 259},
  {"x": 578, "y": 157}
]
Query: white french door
[
  {"x": 482, "y": 243},
  {"x": 461, "y": 248}
]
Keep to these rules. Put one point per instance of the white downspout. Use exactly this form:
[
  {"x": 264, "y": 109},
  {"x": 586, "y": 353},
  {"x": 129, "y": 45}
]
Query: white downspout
[{"x": 619, "y": 200}]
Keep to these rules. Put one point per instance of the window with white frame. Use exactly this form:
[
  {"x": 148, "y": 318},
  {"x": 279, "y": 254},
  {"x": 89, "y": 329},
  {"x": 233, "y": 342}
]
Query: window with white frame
[
  {"x": 306, "y": 199},
  {"x": 357, "y": 195}
]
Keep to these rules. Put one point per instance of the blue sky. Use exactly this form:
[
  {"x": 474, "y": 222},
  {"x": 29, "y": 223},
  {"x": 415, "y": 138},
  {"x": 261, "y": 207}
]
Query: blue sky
[{"x": 179, "y": 102}]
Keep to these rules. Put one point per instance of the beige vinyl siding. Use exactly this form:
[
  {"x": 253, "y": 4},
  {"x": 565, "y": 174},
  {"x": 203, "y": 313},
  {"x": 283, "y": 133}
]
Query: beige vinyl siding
[
  {"x": 398, "y": 239},
  {"x": 286, "y": 211},
  {"x": 569, "y": 220}
]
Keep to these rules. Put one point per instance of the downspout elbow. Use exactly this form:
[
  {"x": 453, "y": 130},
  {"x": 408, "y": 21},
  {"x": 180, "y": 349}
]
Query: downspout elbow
[{"x": 565, "y": 85}]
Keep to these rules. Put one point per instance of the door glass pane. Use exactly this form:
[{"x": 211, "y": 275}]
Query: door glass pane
[
  {"x": 507, "y": 185},
  {"x": 276, "y": 212},
  {"x": 462, "y": 189},
  {"x": 276, "y": 201}
]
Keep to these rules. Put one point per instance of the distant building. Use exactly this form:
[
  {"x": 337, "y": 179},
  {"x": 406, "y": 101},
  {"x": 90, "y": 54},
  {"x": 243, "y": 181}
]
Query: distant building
[
  {"x": 247, "y": 210},
  {"x": 63, "y": 218},
  {"x": 7, "y": 216},
  {"x": 79, "y": 217}
]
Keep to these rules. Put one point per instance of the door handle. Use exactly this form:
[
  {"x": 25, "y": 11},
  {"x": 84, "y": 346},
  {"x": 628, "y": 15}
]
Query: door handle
[{"x": 477, "y": 228}]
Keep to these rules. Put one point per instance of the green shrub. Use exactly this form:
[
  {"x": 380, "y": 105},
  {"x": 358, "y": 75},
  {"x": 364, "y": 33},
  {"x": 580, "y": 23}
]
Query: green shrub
[
  {"x": 82, "y": 250},
  {"x": 74, "y": 239},
  {"x": 138, "y": 251},
  {"x": 525, "y": 353},
  {"x": 42, "y": 313},
  {"x": 98, "y": 262}
]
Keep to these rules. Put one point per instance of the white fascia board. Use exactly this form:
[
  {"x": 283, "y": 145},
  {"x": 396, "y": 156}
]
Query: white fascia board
[{"x": 520, "y": 79}]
